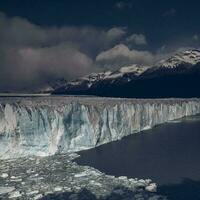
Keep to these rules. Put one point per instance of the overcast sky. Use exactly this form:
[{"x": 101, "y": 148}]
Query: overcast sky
[{"x": 43, "y": 40}]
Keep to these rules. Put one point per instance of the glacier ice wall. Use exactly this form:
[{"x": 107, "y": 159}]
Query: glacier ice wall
[{"x": 48, "y": 125}]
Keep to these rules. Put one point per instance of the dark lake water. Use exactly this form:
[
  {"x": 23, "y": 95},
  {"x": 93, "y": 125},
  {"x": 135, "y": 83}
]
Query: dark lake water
[{"x": 169, "y": 154}]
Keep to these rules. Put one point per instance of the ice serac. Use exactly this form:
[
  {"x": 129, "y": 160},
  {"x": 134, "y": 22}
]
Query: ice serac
[{"x": 48, "y": 125}]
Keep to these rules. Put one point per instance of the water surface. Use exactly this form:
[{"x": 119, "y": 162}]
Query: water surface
[{"x": 168, "y": 154}]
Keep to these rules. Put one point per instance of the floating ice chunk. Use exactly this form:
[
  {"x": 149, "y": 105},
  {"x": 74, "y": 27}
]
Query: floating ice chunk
[
  {"x": 148, "y": 181},
  {"x": 95, "y": 173},
  {"x": 15, "y": 194},
  {"x": 39, "y": 196},
  {"x": 16, "y": 180},
  {"x": 4, "y": 175},
  {"x": 58, "y": 189},
  {"x": 32, "y": 192},
  {"x": 82, "y": 174},
  {"x": 151, "y": 188},
  {"x": 37, "y": 162},
  {"x": 4, "y": 190},
  {"x": 92, "y": 182},
  {"x": 68, "y": 189},
  {"x": 141, "y": 183},
  {"x": 123, "y": 178}
]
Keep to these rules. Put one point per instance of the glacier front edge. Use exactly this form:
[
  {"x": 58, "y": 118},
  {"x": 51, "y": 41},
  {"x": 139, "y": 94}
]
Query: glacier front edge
[{"x": 44, "y": 126}]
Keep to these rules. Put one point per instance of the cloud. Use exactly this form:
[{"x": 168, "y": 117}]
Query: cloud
[
  {"x": 116, "y": 33},
  {"x": 30, "y": 67},
  {"x": 20, "y": 32},
  {"x": 31, "y": 54},
  {"x": 170, "y": 13},
  {"x": 121, "y": 55},
  {"x": 138, "y": 39}
]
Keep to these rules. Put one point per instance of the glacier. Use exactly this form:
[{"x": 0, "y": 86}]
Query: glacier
[{"x": 43, "y": 126}]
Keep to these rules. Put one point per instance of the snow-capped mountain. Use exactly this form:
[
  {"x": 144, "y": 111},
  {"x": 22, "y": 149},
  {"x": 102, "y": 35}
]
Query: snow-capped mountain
[
  {"x": 190, "y": 57},
  {"x": 52, "y": 86},
  {"x": 124, "y": 74},
  {"x": 181, "y": 71},
  {"x": 109, "y": 75},
  {"x": 181, "y": 62}
]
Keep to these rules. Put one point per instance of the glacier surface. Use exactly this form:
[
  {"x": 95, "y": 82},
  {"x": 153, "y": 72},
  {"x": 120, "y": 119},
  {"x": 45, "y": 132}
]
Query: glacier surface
[{"x": 43, "y": 126}]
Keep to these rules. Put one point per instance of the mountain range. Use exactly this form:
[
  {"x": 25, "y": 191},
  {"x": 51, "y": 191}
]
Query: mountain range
[{"x": 177, "y": 76}]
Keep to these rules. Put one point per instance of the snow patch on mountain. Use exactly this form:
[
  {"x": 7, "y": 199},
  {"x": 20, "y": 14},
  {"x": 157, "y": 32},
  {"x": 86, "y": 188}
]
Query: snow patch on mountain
[
  {"x": 133, "y": 69},
  {"x": 191, "y": 57}
]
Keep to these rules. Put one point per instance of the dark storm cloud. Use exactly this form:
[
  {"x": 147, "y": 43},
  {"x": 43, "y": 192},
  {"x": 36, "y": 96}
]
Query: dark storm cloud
[
  {"x": 31, "y": 55},
  {"x": 20, "y": 32},
  {"x": 31, "y": 66}
]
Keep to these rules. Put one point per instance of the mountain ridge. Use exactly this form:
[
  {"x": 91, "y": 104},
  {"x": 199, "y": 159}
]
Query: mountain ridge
[{"x": 181, "y": 72}]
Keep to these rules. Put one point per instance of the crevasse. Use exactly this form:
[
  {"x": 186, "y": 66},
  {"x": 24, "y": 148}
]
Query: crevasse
[{"x": 45, "y": 126}]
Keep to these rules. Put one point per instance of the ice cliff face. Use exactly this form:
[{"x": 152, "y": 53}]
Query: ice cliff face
[{"x": 47, "y": 125}]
